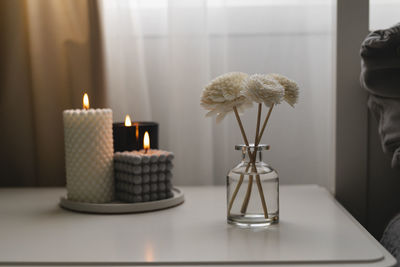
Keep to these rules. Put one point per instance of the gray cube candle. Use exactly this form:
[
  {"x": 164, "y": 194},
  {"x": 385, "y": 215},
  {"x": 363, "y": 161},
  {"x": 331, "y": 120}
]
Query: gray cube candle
[{"x": 142, "y": 176}]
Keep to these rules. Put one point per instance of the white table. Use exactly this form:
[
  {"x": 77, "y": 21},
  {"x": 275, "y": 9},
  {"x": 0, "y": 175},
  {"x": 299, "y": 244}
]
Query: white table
[{"x": 314, "y": 231}]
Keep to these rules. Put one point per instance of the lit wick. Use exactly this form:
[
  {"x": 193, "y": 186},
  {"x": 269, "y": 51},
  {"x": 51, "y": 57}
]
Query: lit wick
[
  {"x": 85, "y": 101},
  {"x": 128, "y": 122},
  {"x": 146, "y": 142},
  {"x": 137, "y": 131}
]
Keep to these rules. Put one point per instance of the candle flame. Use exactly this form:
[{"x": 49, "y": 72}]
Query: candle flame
[
  {"x": 146, "y": 141},
  {"x": 85, "y": 101},
  {"x": 128, "y": 122}
]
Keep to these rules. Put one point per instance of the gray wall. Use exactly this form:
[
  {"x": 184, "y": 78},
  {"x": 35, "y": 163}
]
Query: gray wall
[{"x": 351, "y": 109}]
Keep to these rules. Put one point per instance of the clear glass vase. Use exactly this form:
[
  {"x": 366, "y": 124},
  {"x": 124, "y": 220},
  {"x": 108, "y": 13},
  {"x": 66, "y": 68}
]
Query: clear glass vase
[{"x": 252, "y": 190}]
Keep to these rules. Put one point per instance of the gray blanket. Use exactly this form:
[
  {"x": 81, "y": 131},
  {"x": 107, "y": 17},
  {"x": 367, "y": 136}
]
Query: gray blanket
[
  {"x": 391, "y": 238},
  {"x": 380, "y": 76}
]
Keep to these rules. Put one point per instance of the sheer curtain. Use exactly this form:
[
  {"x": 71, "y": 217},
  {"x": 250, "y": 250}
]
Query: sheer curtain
[
  {"x": 383, "y": 14},
  {"x": 50, "y": 55},
  {"x": 160, "y": 54}
]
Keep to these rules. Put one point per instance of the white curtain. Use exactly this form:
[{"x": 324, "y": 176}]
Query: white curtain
[
  {"x": 160, "y": 54},
  {"x": 383, "y": 14}
]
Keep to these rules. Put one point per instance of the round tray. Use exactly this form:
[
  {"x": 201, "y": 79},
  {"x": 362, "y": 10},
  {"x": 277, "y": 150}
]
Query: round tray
[{"x": 122, "y": 207}]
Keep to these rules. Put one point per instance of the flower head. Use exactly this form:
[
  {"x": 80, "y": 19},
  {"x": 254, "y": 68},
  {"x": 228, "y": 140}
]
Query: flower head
[
  {"x": 262, "y": 88},
  {"x": 224, "y": 93},
  {"x": 291, "y": 88}
]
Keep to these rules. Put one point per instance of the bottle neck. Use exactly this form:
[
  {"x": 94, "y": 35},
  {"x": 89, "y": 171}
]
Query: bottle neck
[{"x": 247, "y": 155}]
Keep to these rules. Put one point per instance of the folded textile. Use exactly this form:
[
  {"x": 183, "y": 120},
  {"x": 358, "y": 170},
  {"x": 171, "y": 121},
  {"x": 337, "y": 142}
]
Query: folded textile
[
  {"x": 380, "y": 65},
  {"x": 387, "y": 112},
  {"x": 391, "y": 238},
  {"x": 380, "y": 76}
]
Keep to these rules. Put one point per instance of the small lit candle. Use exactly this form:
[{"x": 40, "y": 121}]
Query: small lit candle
[
  {"x": 144, "y": 175},
  {"x": 146, "y": 142},
  {"x": 128, "y": 122},
  {"x": 129, "y": 135},
  {"x": 85, "y": 102},
  {"x": 89, "y": 154}
]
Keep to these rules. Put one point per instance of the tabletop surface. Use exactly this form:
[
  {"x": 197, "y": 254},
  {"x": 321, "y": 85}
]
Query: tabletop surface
[{"x": 313, "y": 229}]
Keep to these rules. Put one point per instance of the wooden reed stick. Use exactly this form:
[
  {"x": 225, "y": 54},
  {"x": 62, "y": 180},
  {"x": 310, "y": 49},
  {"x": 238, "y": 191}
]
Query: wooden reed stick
[
  {"x": 237, "y": 190},
  {"x": 241, "y": 126},
  {"x": 252, "y": 162},
  {"x": 247, "y": 196},
  {"x": 264, "y": 124},
  {"x": 245, "y": 141},
  {"x": 258, "y": 122},
  {"x": 261, "y": 192},
  {"x": 252, "y": 159},
  {"x": 258, "y": 180}
]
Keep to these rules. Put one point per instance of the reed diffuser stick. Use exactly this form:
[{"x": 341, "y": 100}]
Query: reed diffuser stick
[
  {"x": 254, "y": 168},
  {"x": 241, "y": 126},
  {"x": 264, "y": 124},
  {"x": 237, "y": 190},
  {"x": 258, "y": 179},
  {"x": 261, "y": 192},
  {"x": 258, "y": 123},
  {"x": 246, "y": 199},
  {"x": 252, "y": 159}
]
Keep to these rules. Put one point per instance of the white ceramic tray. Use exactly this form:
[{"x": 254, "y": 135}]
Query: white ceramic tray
[{"x": 122, "y": 207}]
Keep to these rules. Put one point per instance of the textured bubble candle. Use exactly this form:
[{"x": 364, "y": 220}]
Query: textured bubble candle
[
  {"x": 89, "y": 154},
  {"x": 144, "y": 175}
]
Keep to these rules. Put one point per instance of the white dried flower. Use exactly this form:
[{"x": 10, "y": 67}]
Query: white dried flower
[
  {"x": 291, "y": 88},
  {"x": 224, "y": 93},
  {"x": 262, "y": 88}
]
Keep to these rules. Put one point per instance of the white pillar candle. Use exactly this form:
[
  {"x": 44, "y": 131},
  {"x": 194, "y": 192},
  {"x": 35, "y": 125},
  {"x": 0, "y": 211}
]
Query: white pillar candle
[{"x": 89, "y": 155}]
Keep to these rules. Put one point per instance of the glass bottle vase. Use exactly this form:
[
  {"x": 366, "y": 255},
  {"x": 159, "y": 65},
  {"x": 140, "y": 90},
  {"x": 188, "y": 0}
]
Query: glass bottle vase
[{"x": 252, "y": 190}]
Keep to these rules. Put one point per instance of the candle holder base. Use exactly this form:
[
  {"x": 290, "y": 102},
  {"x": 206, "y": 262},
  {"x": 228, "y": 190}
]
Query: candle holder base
[{"x": 117, "y": 207}]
